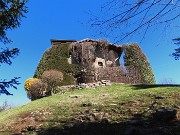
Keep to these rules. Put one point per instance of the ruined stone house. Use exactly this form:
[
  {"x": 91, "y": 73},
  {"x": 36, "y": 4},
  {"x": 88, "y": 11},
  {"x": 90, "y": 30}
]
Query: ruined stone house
[{"x": 99, "y": 60}]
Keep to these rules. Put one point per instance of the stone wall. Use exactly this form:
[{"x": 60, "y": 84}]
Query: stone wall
[
  {"x": 94, "y": 54},
  {"x": 63, "y": 89},
  {"x": 120, "y": 74},
  {"x": 100, "y": 60}
]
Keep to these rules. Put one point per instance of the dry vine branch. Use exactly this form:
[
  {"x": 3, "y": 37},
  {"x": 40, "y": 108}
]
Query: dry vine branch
[{"x": 129, "y": 17}]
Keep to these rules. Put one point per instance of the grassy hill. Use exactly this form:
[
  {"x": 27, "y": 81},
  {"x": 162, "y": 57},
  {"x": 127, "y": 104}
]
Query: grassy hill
[{"x": 117, "y": 109}]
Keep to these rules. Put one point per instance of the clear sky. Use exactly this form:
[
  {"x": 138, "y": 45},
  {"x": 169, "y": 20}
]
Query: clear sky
[{"x": 68, "y": 19}]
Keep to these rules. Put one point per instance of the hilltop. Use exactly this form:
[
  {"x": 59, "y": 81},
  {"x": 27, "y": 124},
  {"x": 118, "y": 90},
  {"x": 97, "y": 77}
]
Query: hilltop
[{"x": 117, "y": 109}]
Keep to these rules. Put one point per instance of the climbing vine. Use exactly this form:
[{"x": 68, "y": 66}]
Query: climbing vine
[
  {"x": 56, "y": 58},
  {"x": 135, "y": 57}
]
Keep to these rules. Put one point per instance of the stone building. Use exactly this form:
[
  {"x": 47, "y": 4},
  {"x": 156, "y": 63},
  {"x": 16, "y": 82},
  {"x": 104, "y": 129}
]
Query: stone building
[
  {"x": 99, "y": 60},
  {"x": 95, "y": 54}
]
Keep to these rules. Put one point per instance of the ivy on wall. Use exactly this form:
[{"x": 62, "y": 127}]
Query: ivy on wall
[
  {"x": 56, "y": 58},
  {"x": 133, "y": 56}
]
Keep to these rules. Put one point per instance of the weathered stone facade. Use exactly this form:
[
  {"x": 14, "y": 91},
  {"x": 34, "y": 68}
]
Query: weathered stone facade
[
  {"x": 119, "y": 74},
  {"x": 95, "y": 54},
  {"x": 99, "y": 60}
]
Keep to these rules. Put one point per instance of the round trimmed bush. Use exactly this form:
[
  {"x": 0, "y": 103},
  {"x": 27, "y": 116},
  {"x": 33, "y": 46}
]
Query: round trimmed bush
[{"x": 53, "y": 78}]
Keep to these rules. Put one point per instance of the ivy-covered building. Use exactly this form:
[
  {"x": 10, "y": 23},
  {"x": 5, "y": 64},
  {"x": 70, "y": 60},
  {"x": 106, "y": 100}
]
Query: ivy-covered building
[{"x": 90, "y": 60}]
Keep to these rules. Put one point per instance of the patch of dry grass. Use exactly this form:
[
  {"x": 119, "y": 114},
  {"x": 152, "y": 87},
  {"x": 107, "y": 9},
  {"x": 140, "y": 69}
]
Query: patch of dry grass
[{"x": 121, "y": 102}]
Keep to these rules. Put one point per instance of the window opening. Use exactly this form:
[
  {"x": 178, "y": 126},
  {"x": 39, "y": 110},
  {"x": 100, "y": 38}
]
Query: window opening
[{"x": 100, "y": 64}]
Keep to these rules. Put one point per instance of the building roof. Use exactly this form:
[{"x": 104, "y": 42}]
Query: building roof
[{"x": 55, "y": 41}]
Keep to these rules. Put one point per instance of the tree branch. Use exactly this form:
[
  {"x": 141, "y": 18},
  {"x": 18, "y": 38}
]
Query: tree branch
[
  {"x": 4, "y": 85},
  {"x": 6, "y": 55}
]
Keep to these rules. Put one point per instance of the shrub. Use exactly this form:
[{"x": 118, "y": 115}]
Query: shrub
[
  {"x": 28, "y": 83},
  {"x": 53, "y": 78},
  {"x": 135, "y": 57},
  {"x": 37, "y": 90}
]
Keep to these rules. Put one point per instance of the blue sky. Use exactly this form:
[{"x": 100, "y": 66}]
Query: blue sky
[{"x": 67, "y": 19}]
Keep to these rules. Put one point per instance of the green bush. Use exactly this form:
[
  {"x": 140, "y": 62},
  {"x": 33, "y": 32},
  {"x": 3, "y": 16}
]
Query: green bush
[
  {"x": 56, "y": 58},
  {"x": 135, "y": 57}
]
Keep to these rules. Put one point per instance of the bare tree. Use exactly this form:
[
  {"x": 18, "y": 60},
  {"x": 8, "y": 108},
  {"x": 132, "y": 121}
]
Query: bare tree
[
  {"x": 5, "y": 106},
  {"x": 125, "y": 18},
  {"x": 166, "y": 81}
]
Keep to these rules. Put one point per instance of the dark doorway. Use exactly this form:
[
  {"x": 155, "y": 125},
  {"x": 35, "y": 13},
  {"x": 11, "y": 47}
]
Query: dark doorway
[{"x": 100, "y": 64}]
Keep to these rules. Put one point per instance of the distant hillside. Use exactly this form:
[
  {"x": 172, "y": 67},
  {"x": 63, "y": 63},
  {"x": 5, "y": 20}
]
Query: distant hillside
[{"x": 119, "y": 109}]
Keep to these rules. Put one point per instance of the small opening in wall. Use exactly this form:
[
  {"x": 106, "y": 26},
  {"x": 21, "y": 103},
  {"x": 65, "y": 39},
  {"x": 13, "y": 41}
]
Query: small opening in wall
[
  {"x": 122, "y": 63},
  {"x": 100, "y": 64}
]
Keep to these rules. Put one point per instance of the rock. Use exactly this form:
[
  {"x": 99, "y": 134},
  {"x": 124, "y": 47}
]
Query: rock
[
  {"x": 176, "y": 106},
  {"x": 105, "y": 121},
  {"x": 63, "y": 89},
  {"x": 91, "y": 85},
  {"x": 91, "y": 118},
  {"x": 30, "y": 128},
  {"x": 113, "y": 104},
  {"x": 86, "y": 104},
  {"x": 99, "y": 115},
  {"x": 99, "y": 83},
  {"x": 106, "y": 115},
  {"x": 74, "y": 96},
  {"x": 96, "y": 85},
  {"x": 87, "y": 86},
  {"x": 105, "y": 95},
  {"x": 178, "y": 115},
  {"x": 108, "y": 84},
  {"x": 83, "y": 85},
  {"x": 105, "y": 81},
  {"x": 24, "y": 130},
  {"x": 160, "y": 97}
]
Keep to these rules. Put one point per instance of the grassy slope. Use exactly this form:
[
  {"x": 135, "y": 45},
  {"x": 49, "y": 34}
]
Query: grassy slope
[{"x": 120, "y": 103}]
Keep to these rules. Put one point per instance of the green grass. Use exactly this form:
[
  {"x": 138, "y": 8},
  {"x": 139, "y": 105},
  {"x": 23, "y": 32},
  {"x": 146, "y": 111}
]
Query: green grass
[{"x": 122, "y": 102}]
